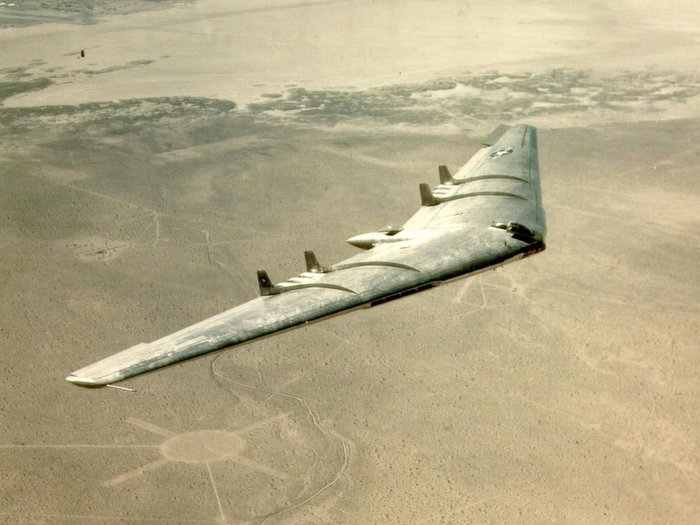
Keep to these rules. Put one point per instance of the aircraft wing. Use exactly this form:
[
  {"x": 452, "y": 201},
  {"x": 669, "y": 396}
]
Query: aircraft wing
[{"x": 486, "y": 214}]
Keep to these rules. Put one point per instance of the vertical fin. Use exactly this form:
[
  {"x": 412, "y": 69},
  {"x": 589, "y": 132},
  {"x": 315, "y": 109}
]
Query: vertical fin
[
  {"x": 445, "y": 175},
  {"x": 312, "y": 264},
  {"x": 264, "y": 283},
  {"x": 426, "y": 195}
]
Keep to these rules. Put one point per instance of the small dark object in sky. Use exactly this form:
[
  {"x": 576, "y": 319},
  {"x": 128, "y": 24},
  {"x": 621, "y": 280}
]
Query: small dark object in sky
[{"x": 82, "y": 53}]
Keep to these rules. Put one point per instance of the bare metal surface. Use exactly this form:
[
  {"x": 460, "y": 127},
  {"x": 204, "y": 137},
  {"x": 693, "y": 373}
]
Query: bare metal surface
[
  {"x": 457, "y": 241},
  {"x": 559, "y": 389}
]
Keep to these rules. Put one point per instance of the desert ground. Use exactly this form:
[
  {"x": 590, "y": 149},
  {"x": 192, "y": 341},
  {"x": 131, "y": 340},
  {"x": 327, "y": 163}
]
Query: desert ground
[{"x": 144, "y": 184}]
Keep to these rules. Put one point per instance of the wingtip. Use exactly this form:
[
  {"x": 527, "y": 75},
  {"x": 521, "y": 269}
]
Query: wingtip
[{"x": 87, "y": 382}]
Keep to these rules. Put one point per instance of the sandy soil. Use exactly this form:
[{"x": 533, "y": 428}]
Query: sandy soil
[
  {"x": 561, "y": 389},
  {"x": 238, "y": 50}
]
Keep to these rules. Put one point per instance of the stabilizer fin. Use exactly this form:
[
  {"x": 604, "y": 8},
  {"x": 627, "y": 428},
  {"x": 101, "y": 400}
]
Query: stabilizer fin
[
  {"x": 445, "y": 175},
  {"x": 426, "y": 195},
  {"x": 265, "y": 284},
  {"x": 312, "y": 264}
]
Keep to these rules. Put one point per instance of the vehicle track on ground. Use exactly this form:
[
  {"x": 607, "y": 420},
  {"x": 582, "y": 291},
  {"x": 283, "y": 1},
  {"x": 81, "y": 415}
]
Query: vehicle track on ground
[{"x": 315, "y": 419}]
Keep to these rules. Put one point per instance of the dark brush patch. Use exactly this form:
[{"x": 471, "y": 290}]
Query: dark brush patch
[
  {"x": 490, "y": 95},
  {"x": 9, "y": 89},
  {"x": 33, "y": 12},
  {"x": 112, "y": 115},
  {"x": 111, "y": 69}
]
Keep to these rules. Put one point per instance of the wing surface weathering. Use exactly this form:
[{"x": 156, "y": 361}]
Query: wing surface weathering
[{"x": 486, "y": 214}]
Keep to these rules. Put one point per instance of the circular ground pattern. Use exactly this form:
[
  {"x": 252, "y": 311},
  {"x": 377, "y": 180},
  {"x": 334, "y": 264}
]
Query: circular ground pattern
[{"x": 202, "y": 445}]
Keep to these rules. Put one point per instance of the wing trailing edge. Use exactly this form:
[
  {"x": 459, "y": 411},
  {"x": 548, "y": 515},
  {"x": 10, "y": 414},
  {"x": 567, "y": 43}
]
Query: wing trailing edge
[{"x": 488, "y": 214}]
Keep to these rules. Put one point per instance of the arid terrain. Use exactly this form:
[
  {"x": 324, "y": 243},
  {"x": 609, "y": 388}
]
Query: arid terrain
[{"x": 143, "y": 186}]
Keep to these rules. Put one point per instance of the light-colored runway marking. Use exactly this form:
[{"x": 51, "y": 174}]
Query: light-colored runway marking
[
  {"x": 208, "y": 245},
  {"x": 216, "y": 493},
  {"x": 462, "y": 290},
  {"x": 465, "y": 288},
  {"x": 157, "y": 222},
  {"x": 150, "y": 427},
  {"x": 135, "y": 473},
  {"x": 199, "y": 446},
  {"x": 330, "y": 434}
]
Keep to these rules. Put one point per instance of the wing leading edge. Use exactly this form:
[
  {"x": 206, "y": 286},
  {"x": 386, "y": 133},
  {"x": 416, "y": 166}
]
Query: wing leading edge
[{"x": 487, "y": 214}]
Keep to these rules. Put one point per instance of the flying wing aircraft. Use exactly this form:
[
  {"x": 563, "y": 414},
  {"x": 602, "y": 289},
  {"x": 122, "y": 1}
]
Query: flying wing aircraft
[{"x": 485, "y": 215}]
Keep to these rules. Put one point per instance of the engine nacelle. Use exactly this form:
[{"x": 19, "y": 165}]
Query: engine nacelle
[{"x": 369, "y": 240}]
